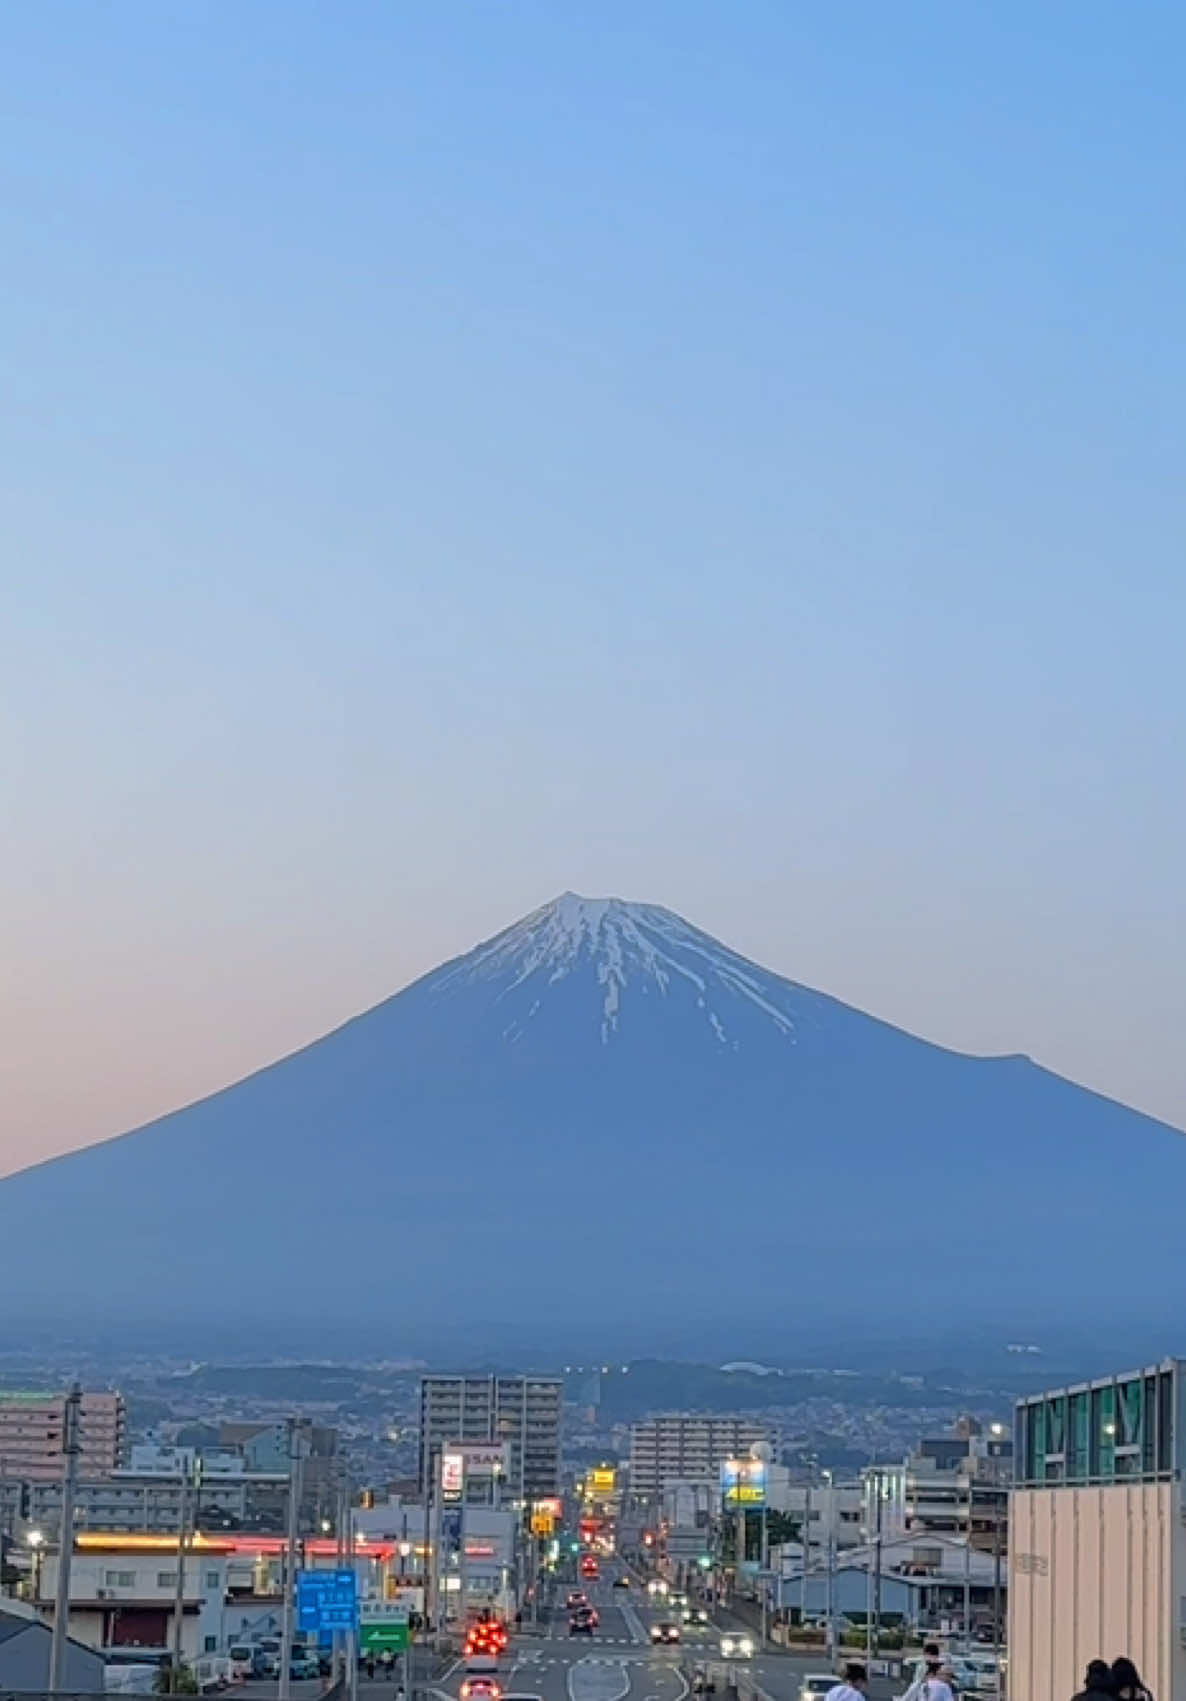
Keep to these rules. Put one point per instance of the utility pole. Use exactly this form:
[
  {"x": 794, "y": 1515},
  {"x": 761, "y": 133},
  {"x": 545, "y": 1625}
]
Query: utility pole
[
  {"x": 351, "y": 1634},
  {"x": 340, "y": 1500},
  {"x": 968, "y": 1591},
  {"x": 877, "y": 1569},
  {"x": 763, "y": 1580},
  {"x": 996, "y": 1600},
  {"x": 806, "y": 1551},
  {"x": 832, "y": 1595},
  {"x": 179, "y": 1589},
  {"x": 294, "y": 1429},
  {"x": 71, "y": 1446}
]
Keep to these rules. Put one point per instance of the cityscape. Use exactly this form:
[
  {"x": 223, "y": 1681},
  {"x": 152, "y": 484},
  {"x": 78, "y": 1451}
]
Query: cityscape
[
  {"x": 592, "y": 1097},
  {"x": 214, "y": 1507}
]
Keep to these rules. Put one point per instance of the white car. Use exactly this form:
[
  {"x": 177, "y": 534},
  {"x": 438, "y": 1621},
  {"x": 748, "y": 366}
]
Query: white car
[
  {"x": 737, "y": 1647},
  {"x": 817, "y": 1683}
]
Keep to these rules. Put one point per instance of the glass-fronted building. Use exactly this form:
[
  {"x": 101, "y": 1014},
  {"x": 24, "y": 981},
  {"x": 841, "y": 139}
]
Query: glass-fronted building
[{"x": 1117, "y": 1429}]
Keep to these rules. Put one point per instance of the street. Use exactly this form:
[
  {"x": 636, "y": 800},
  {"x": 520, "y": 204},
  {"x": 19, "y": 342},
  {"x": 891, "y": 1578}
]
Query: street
[{"x": 617, "y": 1662}]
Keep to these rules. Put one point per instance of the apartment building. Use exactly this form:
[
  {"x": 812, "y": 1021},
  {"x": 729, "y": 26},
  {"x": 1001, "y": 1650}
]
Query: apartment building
[
  {"x": 684, "y": 1446},
  {"x": 520, "y": 1412},
  {"x": 32, "y": 1426}
]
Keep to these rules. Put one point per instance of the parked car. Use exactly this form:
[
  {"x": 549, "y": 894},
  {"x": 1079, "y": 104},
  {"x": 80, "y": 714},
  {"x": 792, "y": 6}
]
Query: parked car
[{"x": 242, "y": 1658}]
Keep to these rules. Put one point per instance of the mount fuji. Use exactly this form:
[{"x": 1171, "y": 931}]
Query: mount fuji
[{"x": 604, "y": 1109}]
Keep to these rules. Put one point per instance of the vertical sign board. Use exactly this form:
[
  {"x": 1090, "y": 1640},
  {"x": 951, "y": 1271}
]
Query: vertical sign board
[
  {"x": 452, "y": 1474},
  {"x": 327, "y": 1600},
  {"x": 743, "y": 1483}
]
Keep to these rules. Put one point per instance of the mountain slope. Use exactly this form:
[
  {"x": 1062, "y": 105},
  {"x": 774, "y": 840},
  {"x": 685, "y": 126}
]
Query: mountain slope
[{"x": 603, "y": 1108}]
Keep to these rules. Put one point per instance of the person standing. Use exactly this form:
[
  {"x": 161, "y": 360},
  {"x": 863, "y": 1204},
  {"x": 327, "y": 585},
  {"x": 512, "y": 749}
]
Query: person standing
[
  {"x": 851, "y": 1686},
  {"x": 1097, "y": 1683},
  {"x": 932, "y": 1685},
  {"x": 1126, "y": 1681}
]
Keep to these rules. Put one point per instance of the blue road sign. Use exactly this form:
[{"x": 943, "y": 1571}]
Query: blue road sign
[{"x": 327, "y": 1600}]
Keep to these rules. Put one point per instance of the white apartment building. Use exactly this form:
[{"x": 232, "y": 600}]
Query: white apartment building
[
  {"x": 682, "y": 1446},
  {"x": 121, "y": 1598}
]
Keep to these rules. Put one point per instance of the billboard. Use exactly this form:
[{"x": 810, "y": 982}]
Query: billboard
[
  {"x": 602, "y": 1480},
  {"x": 743, "y": 1483},
  {"x": 452, "y": 1474}
]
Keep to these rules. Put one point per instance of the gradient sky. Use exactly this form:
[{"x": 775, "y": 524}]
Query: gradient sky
[{"x": 723, "y": 454}]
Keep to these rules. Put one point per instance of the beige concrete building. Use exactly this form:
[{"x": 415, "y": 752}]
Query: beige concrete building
[
  {"x": 1097, "y": 1545},
  {"x": 31, "y": 1430}
]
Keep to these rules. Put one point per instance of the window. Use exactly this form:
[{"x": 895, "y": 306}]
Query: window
[
  {"x": 166, "y": 1579},
  {"x": 119, "y": 1579},
  {"x": 212, "y": 1579},
  {"x": 209, "y": 1644}
]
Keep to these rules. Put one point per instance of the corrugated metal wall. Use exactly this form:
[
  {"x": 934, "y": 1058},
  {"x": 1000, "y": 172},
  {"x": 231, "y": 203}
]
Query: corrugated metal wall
[{"x": 1093, "y": 1574}]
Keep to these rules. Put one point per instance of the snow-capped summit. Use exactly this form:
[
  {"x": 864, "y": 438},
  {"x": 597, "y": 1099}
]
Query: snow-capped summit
[
  {"x": 640, "y": 948},
  {"x": 604, "y": 1112}
]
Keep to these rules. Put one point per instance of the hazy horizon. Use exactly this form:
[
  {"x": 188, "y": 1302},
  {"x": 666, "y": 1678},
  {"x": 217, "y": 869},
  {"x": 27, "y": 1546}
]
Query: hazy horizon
[{"x": 719, "y": 456}]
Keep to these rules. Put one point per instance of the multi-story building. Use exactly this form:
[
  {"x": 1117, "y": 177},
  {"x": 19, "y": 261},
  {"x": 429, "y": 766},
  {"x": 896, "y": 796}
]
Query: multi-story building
[
  {"x": 521, "y": 1412},
  {"x": 124, "y": 1598},
  {"x": 681, "y": 1446},
  {"x": 32, "y": 1426},
  {"x": 951, "y": 1485},
  {"x": 149, "y": 1492},
  {"x": 264, "y": 1449},
  {"x": 1097, "y": 1556}
]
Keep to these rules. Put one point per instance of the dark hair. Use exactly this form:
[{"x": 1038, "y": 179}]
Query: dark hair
[
  {"x": 1099, "y": 1676},
  {"x": 1125, "y": 1675},
  {"x": 930, "y": 1650},
  {"x": 855, "y": 1673}
]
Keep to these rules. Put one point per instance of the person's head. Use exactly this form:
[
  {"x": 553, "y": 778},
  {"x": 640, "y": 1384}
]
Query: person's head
[
  {"x": 856, "y": 1675},
  {"x": 930, "y": 1650},
  {"x": 1126, "y": 1679},
  {"x": 1099, "y": 1676}
]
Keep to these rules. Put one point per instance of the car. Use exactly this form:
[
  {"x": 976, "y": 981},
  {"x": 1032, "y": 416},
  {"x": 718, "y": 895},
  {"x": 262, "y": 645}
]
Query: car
[
  {"x": 576, "y": 1598},
  {"x": 301, "y": 1666},
  {"x": 621, "y": 1582},
  {"x": 695, "y": 1615},
  {"x": 665, "y": 1631},
  {"x": 480, "y": 1689},
  {"x": 481, "y": 1659},
  {"x": 738, "y": 1646},
  {"x": 817, "y": 1683},
  {"x": 580, "y": 1624}
]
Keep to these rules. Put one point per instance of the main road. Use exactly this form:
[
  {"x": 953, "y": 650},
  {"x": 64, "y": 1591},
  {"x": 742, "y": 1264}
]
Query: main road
[{"x": 616, "y": 1663}]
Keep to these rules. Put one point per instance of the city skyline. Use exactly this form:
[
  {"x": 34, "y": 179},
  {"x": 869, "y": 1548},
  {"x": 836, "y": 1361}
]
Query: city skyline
[{"x": 715, "y": 457}]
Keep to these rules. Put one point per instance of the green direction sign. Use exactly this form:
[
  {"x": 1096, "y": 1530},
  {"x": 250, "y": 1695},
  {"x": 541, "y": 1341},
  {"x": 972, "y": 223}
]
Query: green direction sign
[{"x": 390, "y": 1635}]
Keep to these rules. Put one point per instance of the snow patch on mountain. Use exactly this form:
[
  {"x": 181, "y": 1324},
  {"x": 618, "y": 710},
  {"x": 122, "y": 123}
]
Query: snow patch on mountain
[{"x": 624, "y": 945}]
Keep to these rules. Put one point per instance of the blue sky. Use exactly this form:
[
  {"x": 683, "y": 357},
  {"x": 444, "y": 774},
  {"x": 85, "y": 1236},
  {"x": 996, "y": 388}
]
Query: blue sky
[{"x": 727, "y": 455}]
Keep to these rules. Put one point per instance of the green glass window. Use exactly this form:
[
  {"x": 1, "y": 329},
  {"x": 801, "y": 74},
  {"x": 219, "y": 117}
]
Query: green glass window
[{"x": 1079, "y": 1449}]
